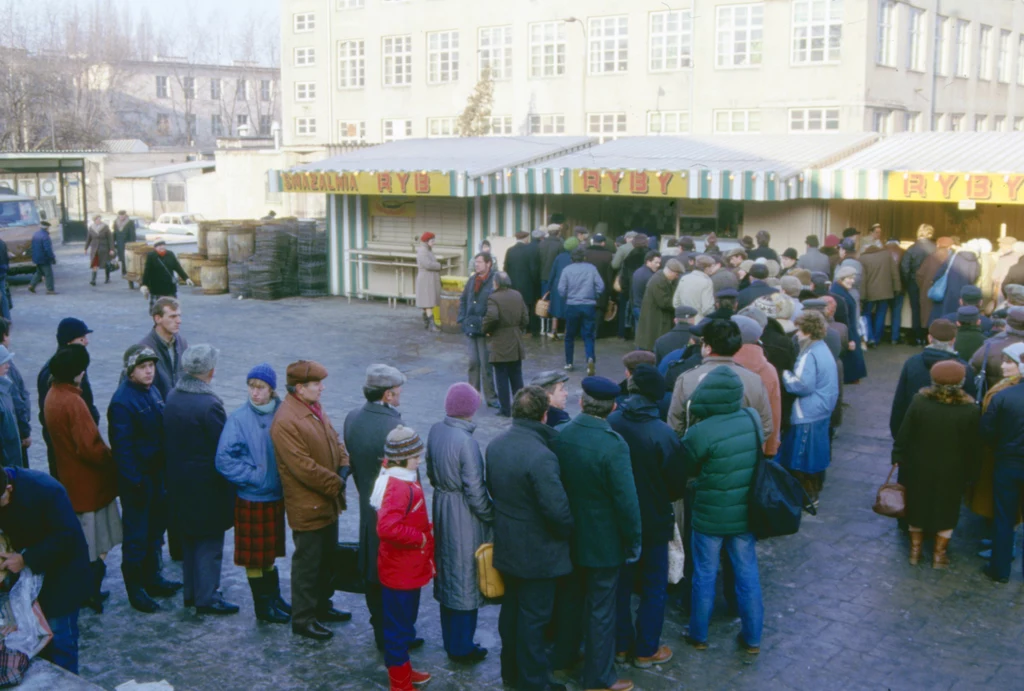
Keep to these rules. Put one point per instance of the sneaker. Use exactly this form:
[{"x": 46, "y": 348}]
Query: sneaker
[
  {"x": 590, "y": 367},
  {"x": 750, "y": 649},
  {"x": 568, "y": 368},
  {"x": 695, "y": 644},
  {"x": 660, "y": 657}
]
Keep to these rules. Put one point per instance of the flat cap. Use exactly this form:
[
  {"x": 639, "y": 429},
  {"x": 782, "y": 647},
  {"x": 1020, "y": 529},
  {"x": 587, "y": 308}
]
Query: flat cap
[
  {"x": 635, "y": 358},
  {"x": 791, "y": 286},
  {"x": 380, "y": 376},
  {"x": 160, "y": 242},
  {"x": 815, "y": 304},
  {"x": 727, "y": 293},
  {"x": 554, "y": 227},
  {"x": 942, "y": 330},
  {"x": 675, "y": 266},
  {"x": 549, "y": 378},
  {"x": 685, "y": 312},
  {"x": 199, "y": 359},
  {"x": 968, "y": 314},
  {"x": 703, "y": 261},
  {"x": 540, "y": 233},
  {"x": 598, "y": 238},
  {"x": 305, "y": 371},
  {"x": 750, "y": 330},
  {"x": 640, "y": 240},
  {"x": 601, "y": 388},
  {"x": 970, "y": 293},
  {"x": 522, "y": 235}
]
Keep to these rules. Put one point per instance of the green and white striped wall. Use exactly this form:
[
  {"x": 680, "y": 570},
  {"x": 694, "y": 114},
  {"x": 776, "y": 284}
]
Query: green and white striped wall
[{"x": 836, "y": 183}]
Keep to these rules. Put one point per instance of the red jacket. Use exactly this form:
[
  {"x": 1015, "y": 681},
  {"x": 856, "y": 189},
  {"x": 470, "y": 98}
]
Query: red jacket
[{"x": 403, "y": 560}]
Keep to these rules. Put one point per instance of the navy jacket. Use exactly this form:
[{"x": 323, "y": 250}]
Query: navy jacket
[
  {"x": 473, "y": 305},
  {"x": 557, "y": 416},
  {"x": 916, "y": 375},
  {"x": 1002, "y": 424},
  {"x": 44, "y": 528},
  {"x": 42, "y": 248},
  {"x": 638, "y": 284},
  {"x": 22, "y": 405},
  {"x": 659, "y": 464},
  {"x": 135, "y": 424}
]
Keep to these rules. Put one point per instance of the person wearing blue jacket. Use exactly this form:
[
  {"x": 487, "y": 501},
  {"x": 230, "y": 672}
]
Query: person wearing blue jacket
[
  {"x": 245, "y": 457},
  {"x": 43, "y": 258},
  {"x": 806, "y": 450},
  {"x": 581, "y": 286}
]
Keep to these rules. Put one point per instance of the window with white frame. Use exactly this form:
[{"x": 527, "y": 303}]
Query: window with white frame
[
  {"x": 305, "y": 127},
  {"x": 266, "y": 124},
  {"x": 352, "y": 131},
  {"x": 609, "y": 44},
  {"x": 215, "y": 87},
  {"x": 161, "y": 88},
  {"x": 607, "y": 126},
  {"x": 740, "y": 32},
  {"x": 1003, "y": 71},
  {"x": 668, "y": 122},
  {"x": 266, "y": 89},
  {"x": 305, "y": 91},
  {"x": 732, "y": 121},
  {"x": 981, "y": 123},
  {"x": 547, "y": 49},
  {"x": 241, "y": 89},
  {"x": 813, "y": 119},
  {"x": 882, "y": 121},
  {"x": 911, "y": 122},
  {"x": 999, "y": 123},
  {"x": 499, "y": 125},
  {"x": 442, "y": 57},
  {"x": 547, "y": 124},
  {"x": 442, "y": 127},
  {"x": 817, "y": 31},
  {"x": 188, "y": 86},
  {"x": 396, "y": 129},
  {"x": 962, "y": 48},
  {"x": 917, "y": 44},
  {"x": 495, "y": 51},
  {"x": 352, "y": 64},
  {"x": 1018, "y": 124},
  {"x": 956, "y": 122},
  {"x": 938, "y": 122},
  {"x": 397, "y": 56},
  {"x": 671, "y": 40},
  {"x": 305, "y": 57},
  {"x": 943, "y": 27},
  {"x": 985, "y": 53},
  {"x": 303, "y": 22},
  {"x": 886, "y": 49},
  {"x": 351, "y": 4}
]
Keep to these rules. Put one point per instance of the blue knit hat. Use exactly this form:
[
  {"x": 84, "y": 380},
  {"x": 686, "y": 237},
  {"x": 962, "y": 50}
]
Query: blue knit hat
[{"x": 265, "y": 373}]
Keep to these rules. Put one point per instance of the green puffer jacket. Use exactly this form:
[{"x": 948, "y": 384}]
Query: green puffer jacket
[{"x": 723, "y": 451}]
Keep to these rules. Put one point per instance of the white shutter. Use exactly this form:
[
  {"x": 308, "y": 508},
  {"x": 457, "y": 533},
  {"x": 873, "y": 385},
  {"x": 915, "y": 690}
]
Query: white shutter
[{"x": 445, "y": 218}]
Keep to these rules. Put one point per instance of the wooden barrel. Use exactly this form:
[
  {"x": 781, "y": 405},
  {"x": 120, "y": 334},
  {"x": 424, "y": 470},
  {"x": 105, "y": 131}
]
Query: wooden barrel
[
  {"x": 204, "y": 228},
  {"x": 135, "y": 259},
  {"x": 188, "y": 263},
  {"x": 217, "y": 243},
  {"x": 214, "y": 275},
  {"x": 241, "y": 243},
  {"x": 449, "y": 309}
]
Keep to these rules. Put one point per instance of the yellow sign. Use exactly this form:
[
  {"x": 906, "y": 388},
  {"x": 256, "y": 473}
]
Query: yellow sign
[
  {"x": 630, "y": 183},
  {"x": 384, "y": 183},
  {"x": 393, "y": 207},
  {"x": 955, "y": 187},
  {"x": 699, "y": 208}
]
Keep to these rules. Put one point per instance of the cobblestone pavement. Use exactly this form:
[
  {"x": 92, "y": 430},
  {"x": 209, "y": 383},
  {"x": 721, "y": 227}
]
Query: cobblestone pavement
[{"x": 844, "y": 610}]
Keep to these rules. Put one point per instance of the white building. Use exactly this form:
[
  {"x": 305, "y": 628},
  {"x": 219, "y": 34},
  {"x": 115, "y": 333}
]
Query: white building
[{"x": 379, "y": 70}]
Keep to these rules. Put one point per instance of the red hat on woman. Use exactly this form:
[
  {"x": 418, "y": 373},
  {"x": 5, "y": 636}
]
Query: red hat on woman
[{"x": 427, "y": 237}]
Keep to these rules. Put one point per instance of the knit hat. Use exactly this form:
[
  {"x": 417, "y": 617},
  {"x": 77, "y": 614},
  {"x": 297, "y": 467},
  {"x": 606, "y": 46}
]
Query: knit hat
[
  {"x": 427, "y": 237},
  {"x": 648, "y": 382},
  {"x": 383, "y": 377},
  {"x": 790, "y": 253},
  {"x": 571, "y": 244},
  {"x": 767, "y": 306},
  {"x": 752, "y": 312},
  {"x": 265, "y": 373},
  {"x": 1014, "y": 351},
  {"x": 832, "y": 241},
  {"x": 845, "y": 272},
  {"x": 136, "y": 355},
  {"x": 69, "y": 362},
  {"x": 69, "y": 329},
  {"x": 750, "y": 330},
  {"x": 791, "y": 286},
  {"x": 402, "y": 443},
  {"x": 462, "y": 400},
  {"x": 942, "y": 330},
  {"x": 304, "y": 371},
  {"x": 199, "y": 359},
  {"x": 948, "y": 373},
  {"x": 1015, "y": 318},
  {"x": 685, "y": 312},
  {"x": 1014, "y": 294},
  {"x": 635, "y": 358}
]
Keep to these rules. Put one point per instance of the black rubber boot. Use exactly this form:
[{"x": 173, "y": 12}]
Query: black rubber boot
[
  {"x": 92, "y": 282},
  {"x": 136, "y": 593},
  {"x": 154, "y": 582},
  {"x": 99, "y": 596},
  {"x": 274, "y": 589},
  {"x": 263, "y": 602}
]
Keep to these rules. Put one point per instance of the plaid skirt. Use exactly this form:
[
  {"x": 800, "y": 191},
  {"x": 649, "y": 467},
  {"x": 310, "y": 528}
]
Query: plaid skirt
[{"x": 259, "y": 533}]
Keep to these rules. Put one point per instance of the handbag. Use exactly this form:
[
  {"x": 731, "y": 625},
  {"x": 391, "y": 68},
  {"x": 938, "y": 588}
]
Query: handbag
[
  {"x": 345, "y": 573},
  {"x": 611, "y": 311},
  {"x": 543, "y": 307},
  {"x": 891, "y": 499},
  {"x": 937, "y": 293},
  {"x": 491, "y": 583},
  {"x": 777, "y": 501},
  {"x": 676, "y": 556}
]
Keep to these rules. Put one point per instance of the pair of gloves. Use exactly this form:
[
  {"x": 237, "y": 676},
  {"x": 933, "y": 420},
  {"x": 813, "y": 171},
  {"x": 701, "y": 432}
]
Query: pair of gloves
[{"x": 145, "y": 290}]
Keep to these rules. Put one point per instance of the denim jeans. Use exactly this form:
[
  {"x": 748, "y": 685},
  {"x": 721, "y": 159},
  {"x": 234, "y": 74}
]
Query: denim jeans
[
  {"x": 645, "y": 638},
  {"x": 743, "y": 555},
  {"x": 63, "y": 648},
  {"x": 580, "y": 319},
  {"x": 875, "y": 313},
  {"x": 896, "y": 306},
  {"x": 1008, "y": 489},
  {"x": 5, "y": 303}
]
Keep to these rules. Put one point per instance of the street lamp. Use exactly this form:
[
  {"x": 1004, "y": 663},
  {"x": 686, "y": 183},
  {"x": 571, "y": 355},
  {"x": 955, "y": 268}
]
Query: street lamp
[{"x": 583, "y": 81}]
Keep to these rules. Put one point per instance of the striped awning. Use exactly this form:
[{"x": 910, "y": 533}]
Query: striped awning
[{"x": 837, "y": 183}]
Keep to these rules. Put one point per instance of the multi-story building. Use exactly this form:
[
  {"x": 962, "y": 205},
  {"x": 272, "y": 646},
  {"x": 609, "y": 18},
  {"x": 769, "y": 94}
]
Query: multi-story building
[{"x": 379, "y": 70}]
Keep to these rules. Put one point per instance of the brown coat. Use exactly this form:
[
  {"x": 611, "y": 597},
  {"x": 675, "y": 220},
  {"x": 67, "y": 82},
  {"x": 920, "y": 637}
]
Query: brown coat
[
  {"x": 926, "y": 278},
  {"x": 657, "y": 314},
  {"x": 100, "y": 241},
  {"x": 309, "y": 453},
  {"x": 85, "y": 465},
  {"x": 881, "y": 279},
  {"x": 504, "y": 322}
]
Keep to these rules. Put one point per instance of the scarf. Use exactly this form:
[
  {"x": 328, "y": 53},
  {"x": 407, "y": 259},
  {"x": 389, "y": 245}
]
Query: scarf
[
  {"x": 379, "y": 487},
  {"x": 314, "y": 408},
  {"x": 266, "y": 408},
  {"x": 479, "y": 280}
]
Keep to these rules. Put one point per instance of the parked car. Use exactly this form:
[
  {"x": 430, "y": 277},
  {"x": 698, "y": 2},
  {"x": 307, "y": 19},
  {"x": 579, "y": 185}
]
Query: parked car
[
  {"x": 19, "y": 220},
  {"x": 176, "y": 224}
]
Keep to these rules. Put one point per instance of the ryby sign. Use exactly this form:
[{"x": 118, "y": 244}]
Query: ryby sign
[
  {"x": 953, "y": 187},
  {"x": 630, "y": 183},
  {"x": 406, "y": 184}
]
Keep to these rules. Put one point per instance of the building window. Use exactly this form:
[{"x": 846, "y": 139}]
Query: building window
[
  {"x": 265, "y": 89},
  {"x": 442, "y": 57},
  {"x": 547, "y": 124},
  {"x": 241, "y": 121},
  {"x": 609, "y": 44},
  {"x": 214, "y": 89},
  {"x": 352, "y": 64},
  {"x": 668, "y": 122},
  {"x": 882, "y": 121},
  {"x": 740, "y": 29},
  {"x": 496, "y": 52},
  {"x": 175, "y": 192},
  {"x": 985, "y": 53},
  {"x": 190, "y": 125},
  {"x": 265, "y": 125},
  {"x": 305, "y": 91},
  {"x": 397, "y": 51},
  {"x": 547, "y": 49},
  {"x": 817, "y": 30},
  {"x": 217, "y": 125},
  {"x": 1018, "y": 124},
  {"x": 396, "y": 129},
  {"x": 917, "y": 59},
  {"x": 938, "y": 122},
  {"x": 886, "y": 54},
  {"x": 911, "y": 122},
  {"x": 241, "y": 90},
  {"x": 956, "y": 122},
  {"x": 999, "y": 123},
  {"x": 607, "y": 126},
  {"x": 813, "y": 119},
  {"x": 304, "y": 22},
  {"x": 442, "y": 127},
  {"x": 161, "y": 87},
  {"x": 729, "y": 121},
  {"x": 1003, "y": 74},
  {"x": 942, "y": 29},
  {"x": 1020, "y": 60},
  {"x": 499, "y": 125},
  {"x": 352, "y": 131},
  {"x": 305, "y": 57},
  {"x": 305, "y": 127},
  {"x": 163, "y": 124},
  {"x": 188, "y": 85},
  {"x": 981, "y": 123},
  {"x": 351, "y": 4},
  {"x": 671, "y": 40},
  {"x": 962, "y": 48}
]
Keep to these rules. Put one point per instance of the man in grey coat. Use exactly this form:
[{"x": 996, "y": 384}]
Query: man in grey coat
[
  {"x": 813, "y": 260},
  {"x": 366, "y": 429}
]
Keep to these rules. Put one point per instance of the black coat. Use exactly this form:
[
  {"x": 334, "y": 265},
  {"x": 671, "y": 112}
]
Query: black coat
[
  {"x": 532, "y": 521},
  {"x": 601, "y": 258},
  {"x": 201, "y": 501},
  {"x": 124, "y": 236},
  {"x": 678, "y": 337},
  {"x": 916, "y": 375},
  {"x": 365, "y": 431},
  {"x": 912, "y": 260},
  {"x": 659, "y": 464},
  {"x": 1015, "y": 276},
  {"x": 781, "y": 353},
  {"x": 557, "y": 416},
  {"x": 633, "y": 261},
  {"x": 42, "y": 526},
  {"x": 763, "y": 253},
  {"x": 548, "y": 249},
  {"x": 135, "y": 425},
  {"x": 167, "y": 371},
  {"x": 522, "y": 264},
  {"x": 158, "y": 274}
]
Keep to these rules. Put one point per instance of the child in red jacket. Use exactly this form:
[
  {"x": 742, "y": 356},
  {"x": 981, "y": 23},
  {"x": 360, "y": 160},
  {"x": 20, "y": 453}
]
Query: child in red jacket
[{"x": 405, "y": 560}]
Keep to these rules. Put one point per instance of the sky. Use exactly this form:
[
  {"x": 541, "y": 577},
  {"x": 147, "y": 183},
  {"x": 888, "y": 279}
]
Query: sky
[{"x": 169, "y": 10}]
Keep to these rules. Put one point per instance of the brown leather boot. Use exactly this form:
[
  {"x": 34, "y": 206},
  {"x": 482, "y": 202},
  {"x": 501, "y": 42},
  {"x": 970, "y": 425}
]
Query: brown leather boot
[
  {"x": 916, "y": 539},
  {"x": 939, "y": 558}
]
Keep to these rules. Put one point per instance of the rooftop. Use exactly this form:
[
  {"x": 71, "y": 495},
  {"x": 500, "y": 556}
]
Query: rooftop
[
  {"x": 993, "y": 152},
  {"x": 171, "y": 169}
]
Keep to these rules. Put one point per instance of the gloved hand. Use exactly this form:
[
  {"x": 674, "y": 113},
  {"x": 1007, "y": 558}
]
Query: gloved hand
[
  {"x": 145, "y": 292},
  {"x": 633, "y": 556},
  {"x": 189, "y": 282}
]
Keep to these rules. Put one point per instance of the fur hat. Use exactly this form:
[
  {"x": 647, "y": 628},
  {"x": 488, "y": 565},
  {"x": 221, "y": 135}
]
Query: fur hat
[
  {"x": 845, "y": 272},
  {"x": 199, "y": 359},
  {"x": 462, "y": 400}
]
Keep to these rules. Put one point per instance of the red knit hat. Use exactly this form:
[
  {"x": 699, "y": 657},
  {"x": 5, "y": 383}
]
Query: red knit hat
[{"x": 427, "y": 237}]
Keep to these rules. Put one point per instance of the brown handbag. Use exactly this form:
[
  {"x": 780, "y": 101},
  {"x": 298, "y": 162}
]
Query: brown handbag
[
  {"x": 543, "y": 307},
  {"x": 891, "y": 500}
]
